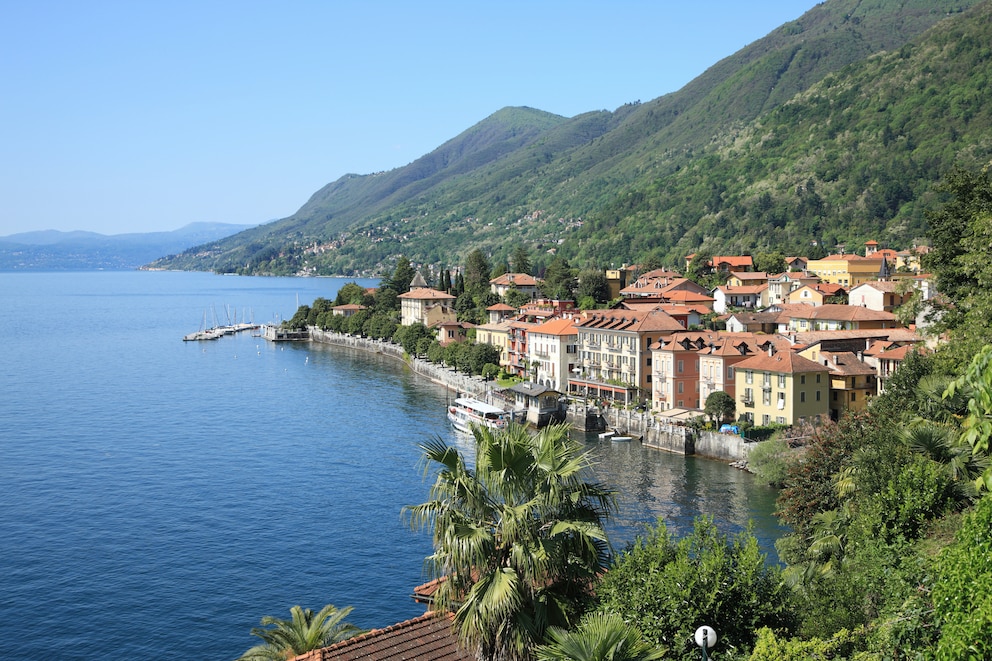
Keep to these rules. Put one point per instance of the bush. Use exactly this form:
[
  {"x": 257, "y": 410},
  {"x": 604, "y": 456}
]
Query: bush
[
  {"x": 769, "y": 461},
  {"x": 668, "y": 588}
]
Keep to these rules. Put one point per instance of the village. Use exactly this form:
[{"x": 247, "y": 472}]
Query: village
[{"x": 818, "y": 340}]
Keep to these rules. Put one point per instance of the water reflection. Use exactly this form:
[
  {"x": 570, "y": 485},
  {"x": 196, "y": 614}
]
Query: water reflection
[{"x": 653, "y": 484}]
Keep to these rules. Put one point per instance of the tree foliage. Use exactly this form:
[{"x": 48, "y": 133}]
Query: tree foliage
[
  {"x": 668, "y": 588},
  {"x": 518, "y": 539},
  {"x": 303, "y": 632}
]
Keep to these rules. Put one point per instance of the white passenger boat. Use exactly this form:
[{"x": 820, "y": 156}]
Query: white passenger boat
[{"x": 465, "y": 411}]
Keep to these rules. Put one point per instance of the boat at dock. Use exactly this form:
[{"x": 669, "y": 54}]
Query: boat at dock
[{"x": 466, "y": 411}]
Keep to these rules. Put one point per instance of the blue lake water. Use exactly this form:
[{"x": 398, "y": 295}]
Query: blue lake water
[{"x": 160, "y": 496}]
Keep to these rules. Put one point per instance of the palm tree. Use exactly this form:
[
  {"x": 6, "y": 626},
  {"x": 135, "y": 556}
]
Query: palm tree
[
  {"x": 599, "y": 637},
  {"x": 304, "y": 632},
  {"x": 518, "y": 540}
]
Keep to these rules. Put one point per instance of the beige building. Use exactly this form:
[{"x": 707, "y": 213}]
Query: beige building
[
  {"x": 522, "y": 282},
  {"x": 614, "y": 354},
  {"x": 781, "y": 387},
  {"x": 852, "y": 382},
  {"x": 553, "y": 348},
  {"x": 497, "y": 335},
  {"x": 426, "y": 306}
]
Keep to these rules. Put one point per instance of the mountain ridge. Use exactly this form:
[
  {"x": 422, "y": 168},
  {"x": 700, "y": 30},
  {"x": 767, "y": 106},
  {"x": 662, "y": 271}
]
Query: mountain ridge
[{"x": 555, "y": 177}]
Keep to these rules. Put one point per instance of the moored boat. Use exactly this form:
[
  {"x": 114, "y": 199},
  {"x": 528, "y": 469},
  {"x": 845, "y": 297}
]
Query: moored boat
[{"x": 466, "y": 411}]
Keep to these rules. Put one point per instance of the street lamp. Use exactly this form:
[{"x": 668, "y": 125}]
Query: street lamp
[
  {"x": 705, "y": 638},
  {"x": 578, "y": 371}
]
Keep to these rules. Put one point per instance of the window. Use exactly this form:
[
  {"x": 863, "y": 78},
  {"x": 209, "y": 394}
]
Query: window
[
  {"x": 765, "y": 419},
  {"x": 781, "y": 380},
  {"x": 766, "y": 398},
  {"x": 680, "y": 366},
  {"x": 766, "y": 380},
  {"x": 817, "y": 394},
  {"x": 781, "y": 400},
  {"x": 802, "y": 379},
  {"x": 730, "y": 373},
  {"x": 748, "y": 376},
  {"x": 854, "y": 396},
  {"x": 780, "y": 420},
  {"x": 817, "y": 378},
  {"x": 802, "y": 397},
  {"x": 748, "y": 395},
  {"x": 649, "y": 362},
  {"x": 681, "y": 385}
]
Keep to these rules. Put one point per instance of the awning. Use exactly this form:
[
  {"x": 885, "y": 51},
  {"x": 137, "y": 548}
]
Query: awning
[{"x": 595, "y": 385}]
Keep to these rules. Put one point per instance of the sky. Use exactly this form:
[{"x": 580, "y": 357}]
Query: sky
[{"x": 124, "y": 116}]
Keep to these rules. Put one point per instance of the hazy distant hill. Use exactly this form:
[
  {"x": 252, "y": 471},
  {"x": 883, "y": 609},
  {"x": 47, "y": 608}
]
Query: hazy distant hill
[
  {"x": 833, "y": 127},
  {"x": 54, "y": 250}
]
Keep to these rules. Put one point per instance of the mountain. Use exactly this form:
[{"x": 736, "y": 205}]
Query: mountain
[
  {"x": 54, "y": 250},
  {"x": 811, "y": 133}
]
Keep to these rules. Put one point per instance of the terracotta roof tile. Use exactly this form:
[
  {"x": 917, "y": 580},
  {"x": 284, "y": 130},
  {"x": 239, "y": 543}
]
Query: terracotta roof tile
[
  {"x": 783, "y": 362},
  {"x": 429, "y": 636}
]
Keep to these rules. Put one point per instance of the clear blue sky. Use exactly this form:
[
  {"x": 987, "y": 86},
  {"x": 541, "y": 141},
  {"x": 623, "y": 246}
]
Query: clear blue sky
[{"x": 135, "y": 116}]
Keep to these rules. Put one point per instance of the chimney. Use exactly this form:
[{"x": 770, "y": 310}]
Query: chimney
[{"x": 771, "y": 350}]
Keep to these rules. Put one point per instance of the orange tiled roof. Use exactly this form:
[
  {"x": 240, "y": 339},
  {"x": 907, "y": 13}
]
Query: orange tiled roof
[
  {"x": 782, "y": 362},
  {"x": 426, "y": 294},
  {"x": 845, "y": 363},
  {"x": 629, "y": 320},
  {"x": 518, "y": 279},
  {"x": 556, "y": 327},
  {"x": 429, "y": 636}
]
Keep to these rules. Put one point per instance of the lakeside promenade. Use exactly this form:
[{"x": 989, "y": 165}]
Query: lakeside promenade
[{"x": 654, "y": 433}]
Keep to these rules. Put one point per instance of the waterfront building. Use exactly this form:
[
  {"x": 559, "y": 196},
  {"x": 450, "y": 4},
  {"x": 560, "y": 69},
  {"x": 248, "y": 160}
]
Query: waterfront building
[
  {"x": 852, "y": 382},
  {"x": 553, "y": 352},
  {"x": 614, "y": 352},
  {"x": 781, "y": 387},
  {"x": 718, "y": 360}
]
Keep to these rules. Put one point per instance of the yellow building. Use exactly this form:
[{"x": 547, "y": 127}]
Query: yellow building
[
  {"x": 848, "y": 271},
  {"x": 852, "y": 382},
  {"x": 781, "y": 387},
  {"x": 497, "y": 335}
]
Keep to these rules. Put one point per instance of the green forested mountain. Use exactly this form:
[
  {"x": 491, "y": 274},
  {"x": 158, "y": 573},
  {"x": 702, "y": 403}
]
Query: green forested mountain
[{"x": 832, "y": 128}]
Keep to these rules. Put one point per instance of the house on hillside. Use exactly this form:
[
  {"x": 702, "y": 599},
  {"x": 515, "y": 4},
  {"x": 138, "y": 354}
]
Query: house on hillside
[
  {"x": 783, "y": 284},
  {"x": 832, "y": 317},
  {"x": 521, "y": 282},
  {"x": 749, "y": 297},
  {"x": 724, "y": 263},
  {"x": 452, "y": 331},
  {"x": 882, "y": 295},
  {"x": 347, "y": 309},
  {"x": 849, "y": 271},
  {"x": 496, "y": 335},
  {"x": 500, "y": 312},
  {"x": 815, "y": 294},
  {"x": 719, "y": 359}
]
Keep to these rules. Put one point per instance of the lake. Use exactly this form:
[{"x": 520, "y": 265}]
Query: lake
[{"x": 161, "y": 496}]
